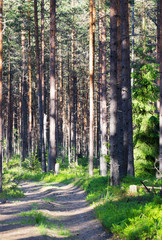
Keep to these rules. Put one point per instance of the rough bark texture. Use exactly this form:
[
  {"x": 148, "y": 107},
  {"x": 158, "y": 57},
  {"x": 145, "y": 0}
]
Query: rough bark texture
[
  {"x": 10, "y": 113},
  {"x": 119, "y": 87},
  {"x": 52, "y": 141},
  {"x": 125, "y": 79},
  {"x": 103, "y": 97},
  {"x": 30, "y": 85},
  {"x": 24, "y": 125},
  {"x": 113, "y": 95},
  {"x": 43, "y": 161},
  {"x": 42, "y": 52},
  {"x": 1, "y": 49},
  {"x": 74, "y": 94},
  {"x": 130, "y": 167},
  {"x": 91, "y": 83}
]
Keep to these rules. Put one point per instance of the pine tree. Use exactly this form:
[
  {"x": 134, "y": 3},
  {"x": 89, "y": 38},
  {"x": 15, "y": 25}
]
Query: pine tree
[{"x": 52, "y": 139}]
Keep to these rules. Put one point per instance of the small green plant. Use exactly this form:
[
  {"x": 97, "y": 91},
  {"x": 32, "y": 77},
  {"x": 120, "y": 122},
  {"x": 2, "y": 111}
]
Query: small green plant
[
  {"x": 43, "y": 222},
  {"x": 47, "y": 200}
]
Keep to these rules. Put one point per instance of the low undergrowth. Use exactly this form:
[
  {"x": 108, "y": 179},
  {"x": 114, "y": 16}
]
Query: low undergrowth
[
  {"x": 132, "y": 216},
  {"x": 43, "y": 222}
]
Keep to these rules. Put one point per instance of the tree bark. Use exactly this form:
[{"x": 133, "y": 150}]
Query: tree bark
[
  {"x": 103, "y": 97},
  {"x": 43, "y": 160},
  {"x": 30, "y": 84},
  {"x": 125, "y": 79},
  {"x": 52, "y": 140},
  {"x": 119, "y": 87},
  {"x": 24, "y": 99},
  {"x": 10, "y": 112},
  {"x": 114, "y": 170},
  {"x": 91, "y": 83}
]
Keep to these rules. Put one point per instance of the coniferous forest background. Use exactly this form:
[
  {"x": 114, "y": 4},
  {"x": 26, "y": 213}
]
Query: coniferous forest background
[{"x": 81, "y": 85}]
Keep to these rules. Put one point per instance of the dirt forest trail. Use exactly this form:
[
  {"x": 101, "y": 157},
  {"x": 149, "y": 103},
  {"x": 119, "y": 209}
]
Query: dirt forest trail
[{"x": 63, "y": 206}]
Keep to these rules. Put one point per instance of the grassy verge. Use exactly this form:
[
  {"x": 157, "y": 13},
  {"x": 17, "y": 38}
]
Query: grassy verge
[{"x": 129, "y": 216}]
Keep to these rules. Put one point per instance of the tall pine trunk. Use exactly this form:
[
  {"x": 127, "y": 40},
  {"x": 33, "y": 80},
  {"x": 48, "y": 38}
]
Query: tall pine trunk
[
  {"x": 91, "y": 83},
  {"x": 10, "y": 112},
  {"x": 114, "y": 170},
  {"x": 43, "y": 160},
  {"x": 24, "y": 99},
  {"x": 30, "y": 84},
  {"x": 52, "y": 140},
  {"x": 103, "y": 97}
]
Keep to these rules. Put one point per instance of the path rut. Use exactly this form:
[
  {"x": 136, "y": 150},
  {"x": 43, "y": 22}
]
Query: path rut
[{"x": 68, "y": 210}]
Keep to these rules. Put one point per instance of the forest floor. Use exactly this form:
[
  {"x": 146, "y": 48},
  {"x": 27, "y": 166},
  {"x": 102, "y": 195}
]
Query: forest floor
[{"x": 50, "y": 211}]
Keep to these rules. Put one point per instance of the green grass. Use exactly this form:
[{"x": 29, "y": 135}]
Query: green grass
[
  {"x": 48, "y": 200},
  {"x": 129, "y": 216},
  {"x": 43, "y": 222}
]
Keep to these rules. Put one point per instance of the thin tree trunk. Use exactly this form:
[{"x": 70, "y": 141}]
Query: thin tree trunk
[
  {"x": 91, "y": 83},
  {"x": 125, "y": 80},
  {"x": 52, "y": 141},
  {"x": 30, "y": 83},
  {"x": 119, "y": 87},
  {"x": 42, "y": 53},
  {"x": 1, "y": 61},
  {"x": 114, "y": 170},
  {"x": 69, "y": 116},
  {"x": 133, "y": 20},
  {"x": 61, "y": 96},
  {"x": 10, "y": 113},
  {"x": 20, "y": 118},
  {"x": 103, "y": 103},
  {"x": 130, "y": 167},
  {"x": 24, "y": 100},
  {"x": 43, "y": 160}
]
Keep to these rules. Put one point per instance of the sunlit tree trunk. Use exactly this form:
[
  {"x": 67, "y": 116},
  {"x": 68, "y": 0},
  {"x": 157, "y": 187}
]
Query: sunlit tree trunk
[
  {"x": 114, "y": 170},
  {"x": 61, "y": 95},
  {"x": 43, "y": 160},
  {"x": 10, "y": 112},
  {"x": 69, "y": 116},
  {"x": 1, "y": 49},
  {"x": 30, "y": 83},
  {"x": 119, "y": 87},
  {"x": 24, "y": 99},
  {"x": 103, "y": 97},
  {"x": 52, "y": 140},
  {"x": 42, "y": 52},
  {"x": 91, "y": 83},
  {"x": 19, "y": 117}
]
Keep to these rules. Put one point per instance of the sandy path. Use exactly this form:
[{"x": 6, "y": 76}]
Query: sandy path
[{"x": 69, "y": 209}]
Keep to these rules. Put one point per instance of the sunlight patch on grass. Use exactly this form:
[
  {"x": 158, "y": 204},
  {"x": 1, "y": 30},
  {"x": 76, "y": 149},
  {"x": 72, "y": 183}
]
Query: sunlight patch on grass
[
  {"x": 43, "y": 222},
  {"x": 47, "y": 200}
]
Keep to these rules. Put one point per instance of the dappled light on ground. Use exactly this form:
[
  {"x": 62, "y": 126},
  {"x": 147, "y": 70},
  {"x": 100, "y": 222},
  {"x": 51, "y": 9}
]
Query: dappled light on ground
[{"x": 50, "y": 212}]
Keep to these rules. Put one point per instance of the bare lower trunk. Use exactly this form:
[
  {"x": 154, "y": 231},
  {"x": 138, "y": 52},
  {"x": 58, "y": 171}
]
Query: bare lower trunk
[
  {"x": 91, "y": 84},
  {"x": 114, "y": 170},
  {"x": 43, "y": 160},
  {"x": 103, "y": 97},
  {"x": 52, "y": 141}
]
